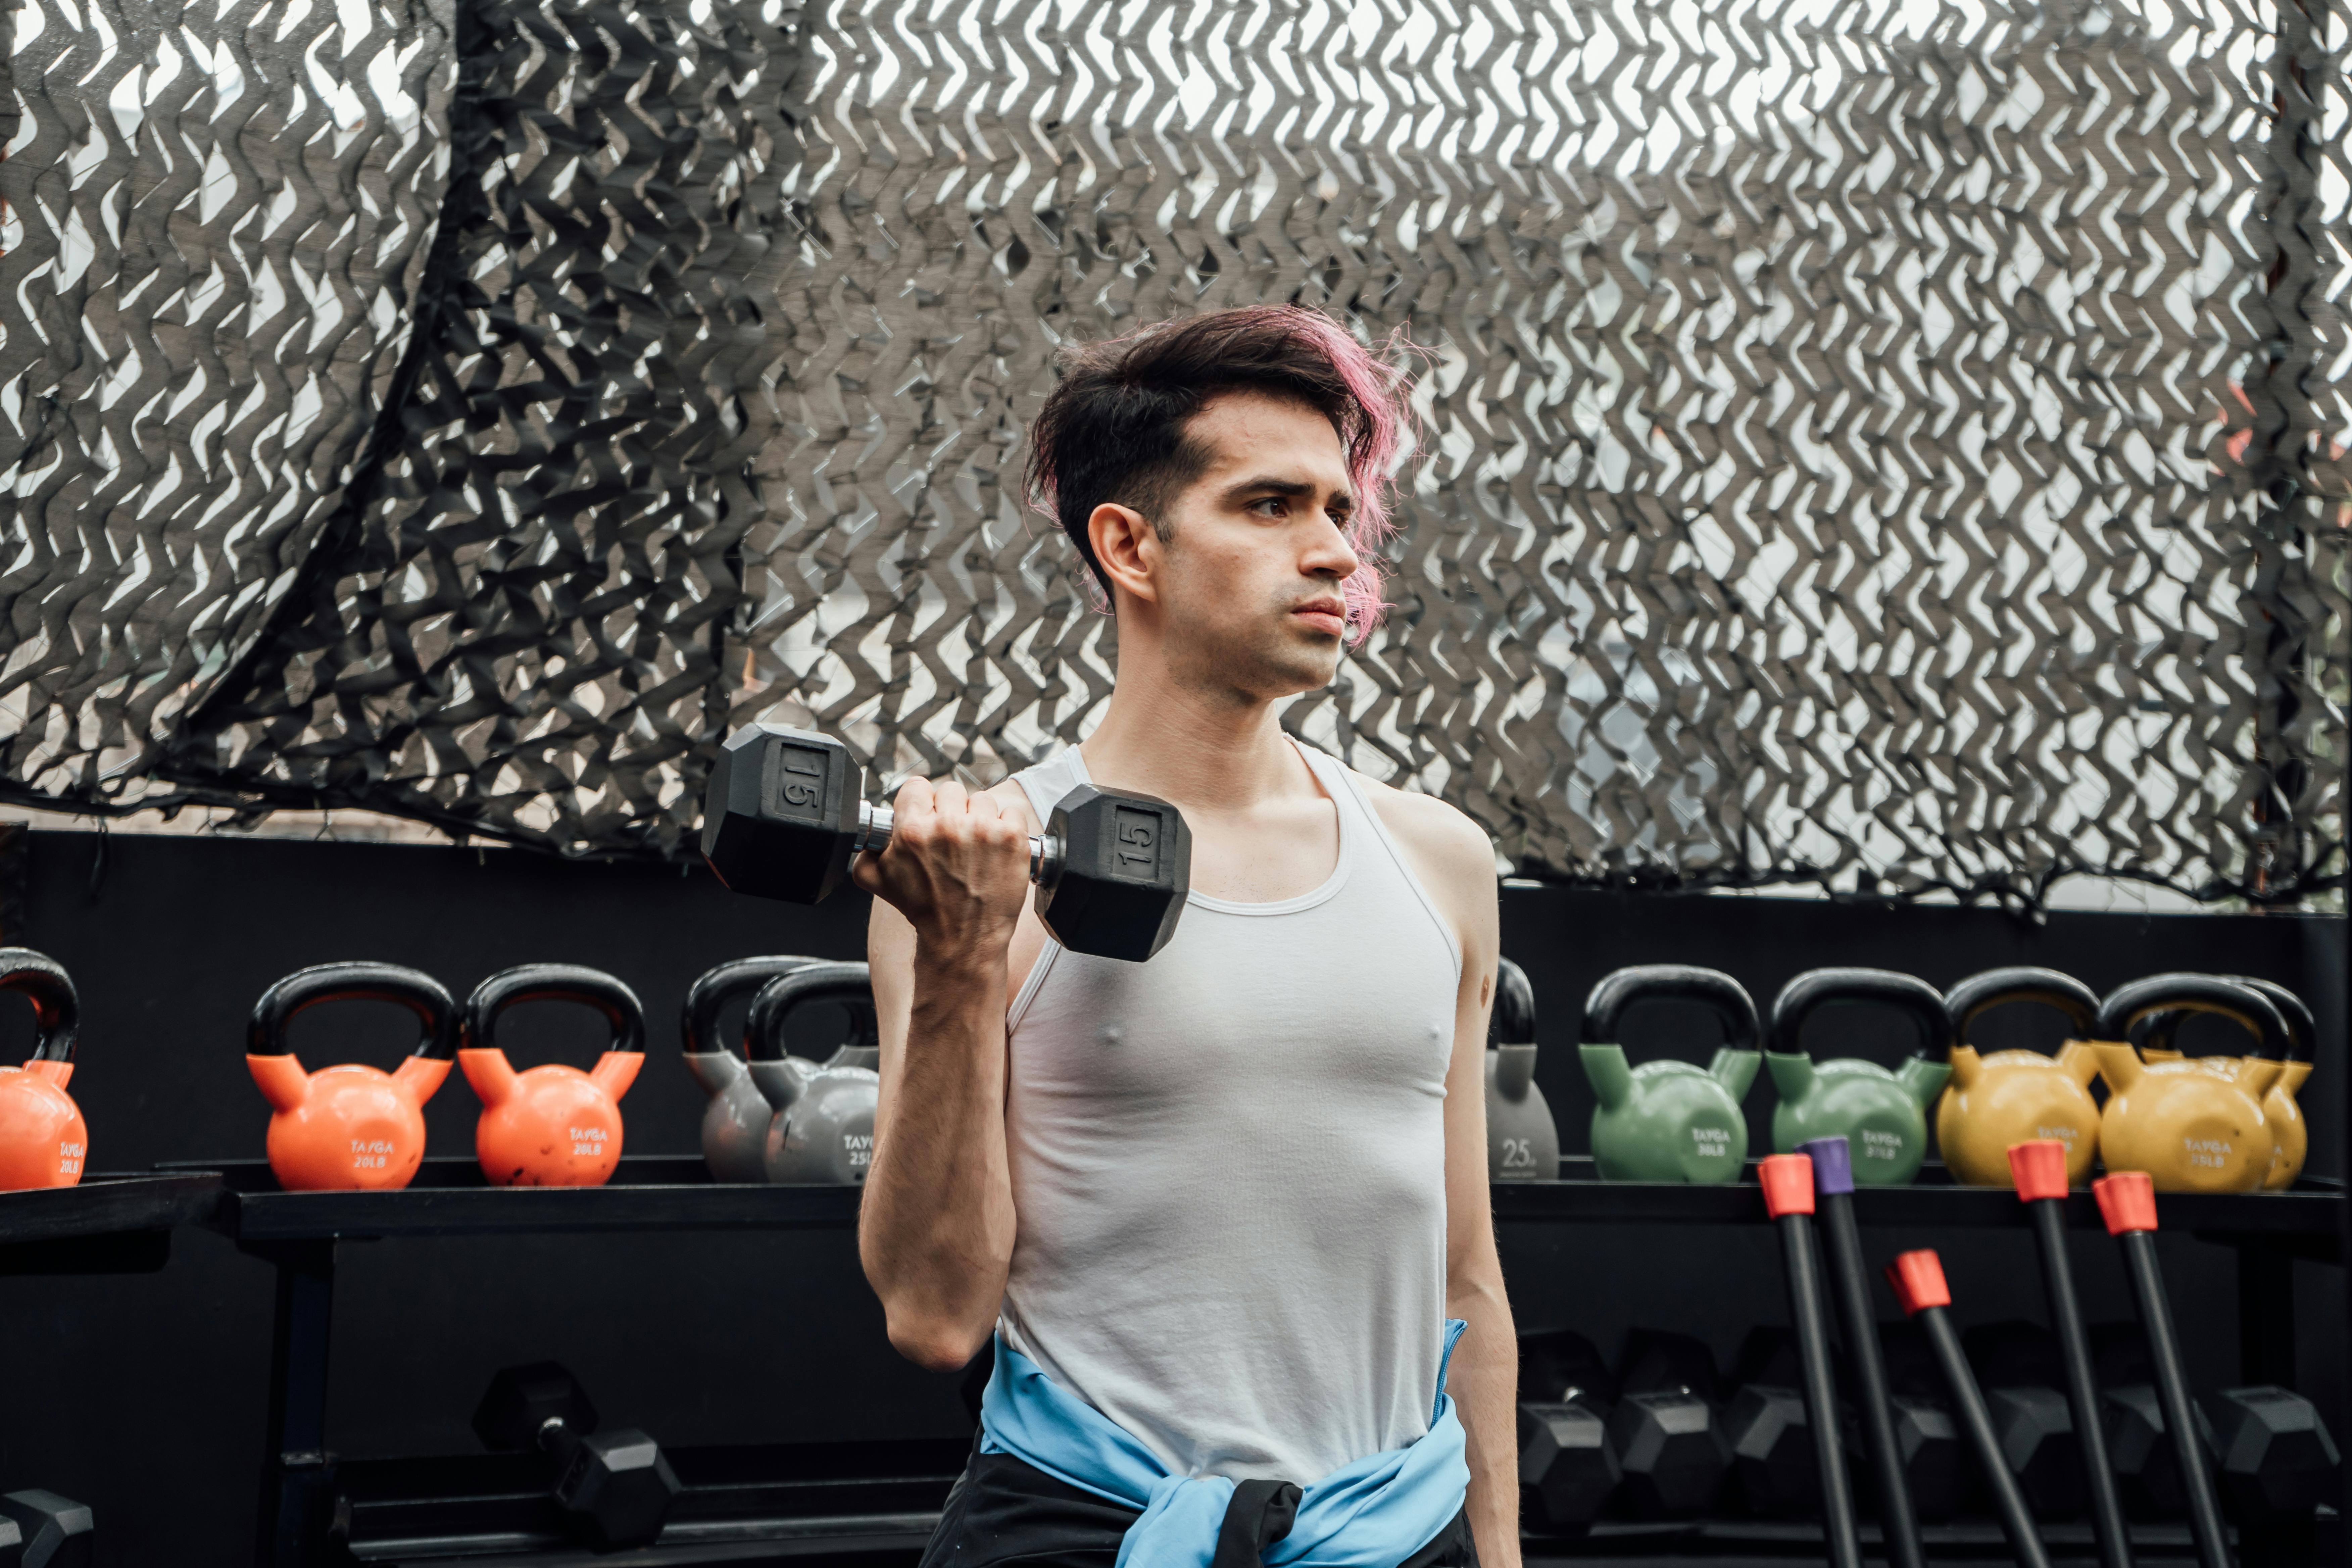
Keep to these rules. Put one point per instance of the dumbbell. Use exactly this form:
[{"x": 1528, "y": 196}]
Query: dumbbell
[
  {"x": 1935, "y": 1461},
  {"x": 2277, "y": 1460},
  {"x": 613, "y": 1488},
  {"x": 42, "y": 1529},
  {"x": 1567, "y": 1466},
  {"x": 2146, "y": 1466},
  {"x": 1767, "y": 1429},
  {"x": 1666, "y": 1427},
  {"x": 785, "y": 813},
  {"x": 2021, "y": 1370}
]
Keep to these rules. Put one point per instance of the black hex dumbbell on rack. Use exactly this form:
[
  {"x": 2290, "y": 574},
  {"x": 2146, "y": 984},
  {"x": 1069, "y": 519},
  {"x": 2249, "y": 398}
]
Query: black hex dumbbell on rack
[
  {"x": 1567, "y": 1466},
  {"x": 1668, "y": 1427},
  {"x": 785, "y": 813},
  {"x": 42, "y": 1529},
  {"x": 613, "y": 1488}
]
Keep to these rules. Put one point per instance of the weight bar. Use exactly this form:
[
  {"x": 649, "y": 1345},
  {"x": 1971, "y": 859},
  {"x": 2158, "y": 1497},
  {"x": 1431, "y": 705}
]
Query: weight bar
[{"x": 1788, "y": 1184}]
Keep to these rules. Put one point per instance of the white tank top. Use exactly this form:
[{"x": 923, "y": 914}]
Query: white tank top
[{"x": 1229, "y": 1166}]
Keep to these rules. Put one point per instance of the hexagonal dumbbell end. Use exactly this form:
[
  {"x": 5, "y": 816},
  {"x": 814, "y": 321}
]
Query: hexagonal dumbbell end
[
  {"x": 522, "y": 1401},
  {"x": 1936, "y": 1466},
  {"x": 1672, "y": 1451},
  {"x": 1772, "y": 1452},
  {"x": 779, "y": 813},
  {"x": 1566, "y": 1462},
  {"x": 2036, "y": 1432},
  {"x": 616, "y": 1489},
  {"x": 52, "y": 1531},
  {"x": 2276, "y": 1458},
  {"x": 1125, "y": 866}
]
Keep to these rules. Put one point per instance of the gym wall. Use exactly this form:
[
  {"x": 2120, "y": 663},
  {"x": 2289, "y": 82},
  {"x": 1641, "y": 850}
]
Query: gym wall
[{"x": 144, "y": 1394}]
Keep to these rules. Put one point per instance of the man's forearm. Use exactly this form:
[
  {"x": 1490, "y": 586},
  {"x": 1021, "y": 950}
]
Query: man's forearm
[
  {"x": 935, "y": 1229},
  {"x": 1484, "y": 1381}
]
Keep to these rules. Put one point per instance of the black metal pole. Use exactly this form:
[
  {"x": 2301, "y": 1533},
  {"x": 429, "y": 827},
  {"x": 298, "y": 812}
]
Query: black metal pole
[
  {"x": 2038, "y": 1168},
  {"x": 1850, "y": 1287},
  {"x": 1918, "y": 1282},
  {"x": 2128, "y": 1200},
  {"x": 1787, "y": 1180}
]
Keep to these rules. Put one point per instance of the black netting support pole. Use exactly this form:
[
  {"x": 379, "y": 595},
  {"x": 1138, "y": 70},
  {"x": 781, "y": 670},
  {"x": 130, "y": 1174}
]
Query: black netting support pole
[{"x": 464, "y": 205}]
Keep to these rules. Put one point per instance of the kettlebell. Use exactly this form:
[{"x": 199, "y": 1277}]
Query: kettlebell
[
  {"x": 822, "y": 1127},
  {"x": 2016, "y": 1097},
  {"x": 1668, "y": 1120},
  {"x": 1882, "y": 1115},
  {"x": 1522, "y": 1140},
  {"x": 735, "y": 1122},
  {"x": 551, "y": 1126},
  {"x": 353, "y": 1126},
  {"x": 44, "y": 1142},
  {"x": 2193, "y": 1125},
  {"x": 2290, "y": 1135}
]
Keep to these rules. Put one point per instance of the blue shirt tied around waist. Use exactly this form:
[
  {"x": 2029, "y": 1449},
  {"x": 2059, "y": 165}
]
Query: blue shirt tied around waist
[{"x": 1374, "y": 1512}]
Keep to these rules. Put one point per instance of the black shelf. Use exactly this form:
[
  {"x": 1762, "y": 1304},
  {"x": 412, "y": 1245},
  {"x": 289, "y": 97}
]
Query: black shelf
[
  {"x": 106, "y": 1224},
  {"x": 2311, "y": 1213},
  {"x": 449, "y": 1197}
]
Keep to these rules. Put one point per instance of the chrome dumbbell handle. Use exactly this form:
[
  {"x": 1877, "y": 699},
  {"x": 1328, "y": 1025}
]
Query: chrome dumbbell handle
[{"x": 873, "y": 836}]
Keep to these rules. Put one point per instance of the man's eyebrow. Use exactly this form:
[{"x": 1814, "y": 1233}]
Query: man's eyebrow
[{"x": 1267, "y": 484}]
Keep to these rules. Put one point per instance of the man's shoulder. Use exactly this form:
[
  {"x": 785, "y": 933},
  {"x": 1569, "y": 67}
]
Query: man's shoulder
[{"x": 1435, "y": 833}]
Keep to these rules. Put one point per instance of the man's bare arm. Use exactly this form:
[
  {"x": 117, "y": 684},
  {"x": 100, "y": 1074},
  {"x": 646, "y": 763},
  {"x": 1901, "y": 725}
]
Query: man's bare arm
[
  {"x": 935, "y": 1229},
  {"x": 1456, "y": 865}
]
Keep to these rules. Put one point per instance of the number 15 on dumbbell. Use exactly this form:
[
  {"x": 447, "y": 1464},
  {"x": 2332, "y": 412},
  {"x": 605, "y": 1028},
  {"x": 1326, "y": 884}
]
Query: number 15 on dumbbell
[{"x": 786, "y": 811}]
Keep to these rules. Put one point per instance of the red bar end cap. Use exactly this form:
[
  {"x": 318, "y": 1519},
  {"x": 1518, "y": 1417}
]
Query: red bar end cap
[
  {"x": 2127, "y": 1201},
  {"x": 2038, "y": 1168},
  {"x": 1788, "y": 1181},
  {"x": 1918, "y": 1282}
]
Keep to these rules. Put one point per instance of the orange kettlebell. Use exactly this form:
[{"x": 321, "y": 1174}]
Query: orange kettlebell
[
  {"x": 551, "y": 1126},
  {"x": 2000, "y": 1097},
  {"x": 2193, "y": 1126},
  {"x": 353, "y": 1126},
  {"x": 43, "y": 1139}
]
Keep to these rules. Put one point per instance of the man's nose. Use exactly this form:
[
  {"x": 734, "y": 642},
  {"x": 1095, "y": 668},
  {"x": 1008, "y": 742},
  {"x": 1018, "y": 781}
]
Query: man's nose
[{"x": 1330, "y": 555}]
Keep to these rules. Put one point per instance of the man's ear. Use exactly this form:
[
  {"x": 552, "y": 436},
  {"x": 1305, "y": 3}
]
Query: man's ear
[{"x": 1128, "y": 548}]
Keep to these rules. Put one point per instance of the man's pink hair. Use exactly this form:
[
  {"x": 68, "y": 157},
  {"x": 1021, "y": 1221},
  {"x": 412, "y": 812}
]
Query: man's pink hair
[{"x": 1373, "y": 430}]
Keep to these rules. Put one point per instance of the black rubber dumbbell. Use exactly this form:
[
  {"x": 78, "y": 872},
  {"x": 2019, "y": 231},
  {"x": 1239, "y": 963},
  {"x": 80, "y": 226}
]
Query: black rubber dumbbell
[
  {"x": 1567, "y": 1466},
  {"x": 42, "y": 1529},
  {"x": 1766, "y": 1425},
  {"x": 2019, "y": 1366},
  {"x": 2273, "y": 1454},
  {"x": 1936, "y": 1462},
  {"x": 785, "y": 811},
  {"x": 1667, "y": 1428},
  {"x": 612, "y": 1489},
  {"x": 2146, "y": 1466}
]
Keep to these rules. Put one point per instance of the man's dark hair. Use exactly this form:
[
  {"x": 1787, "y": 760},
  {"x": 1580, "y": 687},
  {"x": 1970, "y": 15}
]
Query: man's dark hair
[{"x": 1114, "y": 429}]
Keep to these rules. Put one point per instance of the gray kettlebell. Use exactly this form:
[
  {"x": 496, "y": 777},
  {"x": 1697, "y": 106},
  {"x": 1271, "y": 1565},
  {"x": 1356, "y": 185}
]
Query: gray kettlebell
[
  {"x": 1522, "y": 1140},
  {"x": 735, "y": 1122},
  {"x": 822, "y": 1125}
]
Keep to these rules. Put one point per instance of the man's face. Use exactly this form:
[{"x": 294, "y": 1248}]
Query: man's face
[{"x": 1249, "y": 578}]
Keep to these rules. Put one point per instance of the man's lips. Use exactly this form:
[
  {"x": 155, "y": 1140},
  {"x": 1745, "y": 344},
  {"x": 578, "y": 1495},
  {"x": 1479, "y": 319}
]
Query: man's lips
[{"x": 1324, "y": 615}]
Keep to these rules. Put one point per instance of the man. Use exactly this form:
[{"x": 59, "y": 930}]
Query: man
[{"x": 1219, "y": 1206}]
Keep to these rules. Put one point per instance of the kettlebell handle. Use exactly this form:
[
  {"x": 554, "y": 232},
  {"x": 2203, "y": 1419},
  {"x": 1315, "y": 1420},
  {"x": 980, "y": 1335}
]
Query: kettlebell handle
[
  {"x": 2172, "y": 994},
  {"x": 56, "y": 1005},
  {"x": 1981, "y": 993},
  {"x": 356, "y": 980},
  {"x": 1620, "y": 990},
  {"x": 1818, "y": 988},
  {"x": 1512, "y": 1021},
  {"x": 852, "y": 984},
  {"x": 554, "y": 983},
  {"x": 697, "y": 1019}
]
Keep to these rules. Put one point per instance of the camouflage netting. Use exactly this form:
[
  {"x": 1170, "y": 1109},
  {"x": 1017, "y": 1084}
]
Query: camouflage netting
[{"x": 1892, "y": 445}]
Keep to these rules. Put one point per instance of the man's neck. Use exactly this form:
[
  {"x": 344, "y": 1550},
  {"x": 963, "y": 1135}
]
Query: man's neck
[{"x": 1213, "y": 752}]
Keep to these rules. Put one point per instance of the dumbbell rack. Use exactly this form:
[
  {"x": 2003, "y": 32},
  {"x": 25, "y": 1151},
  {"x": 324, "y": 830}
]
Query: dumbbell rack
[{"x": 298, "y": 1234}]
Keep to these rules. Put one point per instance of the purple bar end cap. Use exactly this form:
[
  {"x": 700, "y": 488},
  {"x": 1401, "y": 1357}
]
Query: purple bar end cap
[{"x": 1832, "y": 1164}]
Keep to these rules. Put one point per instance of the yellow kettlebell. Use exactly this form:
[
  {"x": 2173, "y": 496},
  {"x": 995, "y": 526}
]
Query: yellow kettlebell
[
  {"x": 2290, "y": 1134},
  {"x": 2194, "y": 1126},
  {"x": 2001, "y": 1097}
]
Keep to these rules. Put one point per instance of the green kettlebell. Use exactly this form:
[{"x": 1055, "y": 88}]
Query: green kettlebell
[
  {"x": 1669, "y": 1121},
  {"x": 1882, "y": 1115}
]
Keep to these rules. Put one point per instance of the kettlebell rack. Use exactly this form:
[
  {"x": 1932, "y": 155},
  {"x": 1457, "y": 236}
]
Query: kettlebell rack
[
  {"x": 897, "y": 1488},
  {"x": 104, "y": 1225}
]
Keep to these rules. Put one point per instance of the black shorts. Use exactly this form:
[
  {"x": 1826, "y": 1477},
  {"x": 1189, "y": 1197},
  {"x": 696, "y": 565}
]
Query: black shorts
[{"x": 1006, "y": 1511}]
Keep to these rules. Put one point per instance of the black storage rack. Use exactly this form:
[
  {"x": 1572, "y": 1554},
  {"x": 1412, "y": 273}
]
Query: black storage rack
[
  {"x": 297, "y": 1232},
  {"x": 105, "y": 1225}
]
